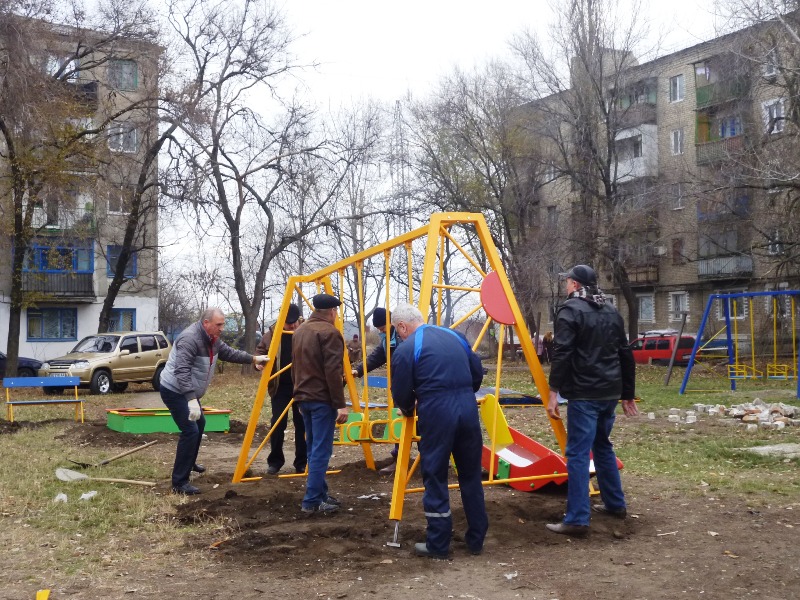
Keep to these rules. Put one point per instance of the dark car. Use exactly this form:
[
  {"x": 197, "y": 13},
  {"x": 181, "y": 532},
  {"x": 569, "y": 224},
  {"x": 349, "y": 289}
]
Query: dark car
[{"x": 26, "y": 367}]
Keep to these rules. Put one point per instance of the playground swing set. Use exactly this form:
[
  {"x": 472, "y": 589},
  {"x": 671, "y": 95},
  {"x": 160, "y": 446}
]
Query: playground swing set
[
  {"x": 510, "y": 457},
  {"x": 738, "y": 366}
]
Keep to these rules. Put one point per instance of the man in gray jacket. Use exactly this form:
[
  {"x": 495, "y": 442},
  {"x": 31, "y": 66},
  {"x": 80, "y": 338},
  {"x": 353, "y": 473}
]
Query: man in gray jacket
[{"x": 185, "y": 379}]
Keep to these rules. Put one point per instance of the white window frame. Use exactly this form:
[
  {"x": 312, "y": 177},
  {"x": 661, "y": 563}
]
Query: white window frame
[
  {"x": 677, "y": 142},
  {"x": 119, "y": 136},
  {"x": 742, "y": 306},
  {"x": 640, "y": 298},
  {"x": 675, "y": 312},
  {"x": 677, "y": 196},
  {"x": 771, "y": 63},
  {"x": 774, "y": 109},
  {"x": 119, "y": 78},
  {"x": 677, "y": 88}
]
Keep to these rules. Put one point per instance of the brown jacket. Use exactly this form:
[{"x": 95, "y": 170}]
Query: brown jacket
[{"x": 318, "y": 362}]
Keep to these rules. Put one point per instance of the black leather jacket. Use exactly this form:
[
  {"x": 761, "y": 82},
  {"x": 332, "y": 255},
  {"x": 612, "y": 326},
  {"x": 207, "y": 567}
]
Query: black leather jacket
[{"x": 591, "y": 357}]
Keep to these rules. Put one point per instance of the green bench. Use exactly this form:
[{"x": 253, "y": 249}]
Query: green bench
[{"x": 44, "y": 382}]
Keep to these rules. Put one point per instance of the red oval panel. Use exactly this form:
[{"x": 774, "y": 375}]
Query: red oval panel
[{"x": 494, "y": 300}]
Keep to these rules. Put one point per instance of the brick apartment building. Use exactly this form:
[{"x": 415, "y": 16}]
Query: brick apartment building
[
  {"x": 78, "y": 220},
  {"x": 690, "y": 131}
]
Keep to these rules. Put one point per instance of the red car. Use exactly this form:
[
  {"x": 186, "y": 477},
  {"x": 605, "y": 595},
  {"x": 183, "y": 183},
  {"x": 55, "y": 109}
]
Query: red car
[{"x": 657, "y": 348}]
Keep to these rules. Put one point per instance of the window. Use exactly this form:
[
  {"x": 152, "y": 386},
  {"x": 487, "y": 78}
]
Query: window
[
  {"x": 52, "y": 324},
  {"x": 676, "y": 88},
  {"x": 112, "y": 255},
  {"x": 162, "y": 341},
  {"x": 130, "y": 343},
  {"x": 119, "y": 201},
  {"x": 677, "y": 196},
  {"x": 730, "y": 126},
  {"x": 677, "y": 141},
  {"x": 738, "y": 307},
  {"x": 678, "y": 251},
  {"x": 774, "y": 115},
  {"x": 122, "y": 319},
  {"x": 678, "y": 304},
  {"x": 771, "y": 63},
  {"x": 123, "y": 74},
  {"x": 647, "y": 308},
  {"x": 123, "y": 137},
  {"x": 718, "y": 243},
  {"x": 637, "y": 146},
  {"x": 552, "y": 218},
  {"x": 775, "y": 245},
  {"x": 65, "y": 69},
  {"x": 148, "y": 343},
  {"x": 59, "y": 259}
]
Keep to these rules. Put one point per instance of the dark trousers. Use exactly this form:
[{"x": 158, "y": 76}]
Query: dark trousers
[
  {"x": 190, "y": 438},
  {"x": 451, "y": 427},
  {"x": 276, "y": 458}
]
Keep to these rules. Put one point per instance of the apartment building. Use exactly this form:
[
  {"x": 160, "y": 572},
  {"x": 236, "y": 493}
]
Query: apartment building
[
  {"x": 78, "y": 200},
  {"x": 692, "y": 133}
]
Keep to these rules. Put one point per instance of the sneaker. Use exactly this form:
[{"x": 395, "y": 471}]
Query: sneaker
[
  {"x": 299, "y": 470},
  {"x": 187, "y": 489},
  {"x": 199, "y": 468},
  {"x": 332, "y": 500},
  {"x": 619, "y": 513},
  {"x": 273, "y": 470},
  {"x": 323, "y": 507},
  {"x": 579, "y": 531},
  {"x": 421, "y": 549},
  {"x": 388, "y": 469}
]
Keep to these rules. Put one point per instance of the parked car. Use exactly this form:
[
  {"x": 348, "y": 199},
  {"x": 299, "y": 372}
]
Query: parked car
[
  {"x": 108, "y": 362},
  {"x": 26, "y": 367},
  {"x": 656, "y": 348}
]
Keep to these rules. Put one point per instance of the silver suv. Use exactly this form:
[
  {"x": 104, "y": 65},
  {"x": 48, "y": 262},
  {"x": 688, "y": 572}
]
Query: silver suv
[{"x": 108, "y": 362}]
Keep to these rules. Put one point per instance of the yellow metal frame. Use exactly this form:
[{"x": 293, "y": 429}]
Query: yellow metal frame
[{"x": 438, "y": 233}]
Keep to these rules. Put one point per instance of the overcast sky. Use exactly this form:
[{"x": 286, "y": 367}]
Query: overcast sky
[{"x": 382, "y": 48}]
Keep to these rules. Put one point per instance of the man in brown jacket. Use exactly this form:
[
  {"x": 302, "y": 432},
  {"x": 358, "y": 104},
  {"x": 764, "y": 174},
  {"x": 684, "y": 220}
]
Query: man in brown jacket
[
  {"x": 280, "y": 392},
  {"x": 318, "y": 371}
]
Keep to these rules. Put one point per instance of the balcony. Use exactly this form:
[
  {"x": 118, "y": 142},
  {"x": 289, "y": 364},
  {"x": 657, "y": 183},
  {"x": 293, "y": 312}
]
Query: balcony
[
  {"x": 54, "y": 216},
  {"x": 60, "y": 285},
  {"x": 725, "y": 266},
  {"x": 637, "y": 114},
  {"x": 721, "y": 92},
  {"x": 719, "y": 150},
  {"x": 643, "y": 274}
]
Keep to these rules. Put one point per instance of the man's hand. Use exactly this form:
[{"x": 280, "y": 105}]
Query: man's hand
[
  {"x": 341, "y": 416},
  {"x": 195, "y": 412},
  {"x": 259, "y": 360},
  {"x": 629, "y": 408},
  {"x": 552, "y": 406},
  {"x": 354, "y": 372}
]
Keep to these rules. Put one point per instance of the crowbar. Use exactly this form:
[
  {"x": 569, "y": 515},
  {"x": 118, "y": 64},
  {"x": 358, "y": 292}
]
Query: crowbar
[{"x": 108, "y": 460}]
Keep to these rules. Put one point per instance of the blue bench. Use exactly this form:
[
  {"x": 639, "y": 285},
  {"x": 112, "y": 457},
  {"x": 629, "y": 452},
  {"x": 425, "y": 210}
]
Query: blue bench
[{"x": 43, "y": 382}]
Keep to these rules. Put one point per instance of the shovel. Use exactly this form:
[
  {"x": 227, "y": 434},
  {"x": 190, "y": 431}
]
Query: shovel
[
  {"x": 70, "y": 475},
  {"x": 108, "y": 460}
]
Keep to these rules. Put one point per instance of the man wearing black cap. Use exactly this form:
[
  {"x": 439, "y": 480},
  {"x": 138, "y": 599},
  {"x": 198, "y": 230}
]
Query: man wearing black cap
[
  {"x": 592, "y": 367},
  {"x": 318, "y": 371},
  {"x": 377, "y": 359},
  {"x": 280, "y": 391}
]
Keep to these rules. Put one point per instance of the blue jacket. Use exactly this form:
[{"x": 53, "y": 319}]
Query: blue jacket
[{"x": 434, "y": 362}]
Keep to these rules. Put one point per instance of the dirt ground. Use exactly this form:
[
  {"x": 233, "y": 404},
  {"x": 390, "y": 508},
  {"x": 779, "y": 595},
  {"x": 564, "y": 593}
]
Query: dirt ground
[{"x": 672, "y": 546}]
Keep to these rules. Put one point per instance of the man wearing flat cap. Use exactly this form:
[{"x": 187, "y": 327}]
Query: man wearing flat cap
[
  {"x": 318, "y": 371},
  {"x": 280, "y": 390},
  {"x": 592, "y": 368}
]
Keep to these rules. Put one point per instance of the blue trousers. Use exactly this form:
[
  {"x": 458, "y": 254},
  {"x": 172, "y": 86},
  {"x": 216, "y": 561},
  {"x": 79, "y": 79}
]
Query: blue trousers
[
  {"x": 276, "y": 458},
  {"x": 589, "y": 424},
  {"x": 320, "y": 422},
  {"x": 451, "y": 426},
  {"x": 190, "y": 438}
]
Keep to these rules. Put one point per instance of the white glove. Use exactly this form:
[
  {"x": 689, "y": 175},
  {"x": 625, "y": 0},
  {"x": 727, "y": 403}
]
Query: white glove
[{"x": 195, "y": 412}]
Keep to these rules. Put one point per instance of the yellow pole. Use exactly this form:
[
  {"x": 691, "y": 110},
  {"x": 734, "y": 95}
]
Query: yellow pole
[
  {"x": 387, "y": 258},
  {"x": 794, "y": 338},
  {"x": 775, "y": 330},
  {"x": 752, "y": 336},
  {"x": 410, "y": 263}
]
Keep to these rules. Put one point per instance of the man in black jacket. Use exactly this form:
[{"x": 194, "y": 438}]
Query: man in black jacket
[{"x": 592, "y": 368}]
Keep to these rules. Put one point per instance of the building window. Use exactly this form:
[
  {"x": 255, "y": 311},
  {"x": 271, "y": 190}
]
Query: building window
[
  {"x": 730, "y": 127},
  {"x": 59, "y": 259},
  {"x": 52, "y": 324},
  {"x": 676, "y": 88},
  {"x": 774, "y": 115},
  {"x": 122, "y": 319},
  {"x": 678, "y": 304},
  {"x": 771, "y": 63},
  {"x": 738, "y": 307},
  {"x": 717, "y": 243},
  {"x": 112, "y": 256},
  {"x": 552, "y": 217},
  {"x": 64, "y": 69},
  {"x": 677, "y": 141},
  {"x": 678, "y": 251},
  {"x": 119, "y": 201},
  {"x": 122, "y": 137},
  {"x": 637, "y": 146},
  {"x": 647, "y": 308},
  {"x": 123, "y": 74},
  {"x": 775, "y": 245},
  {"x": 677, "y": 196}
]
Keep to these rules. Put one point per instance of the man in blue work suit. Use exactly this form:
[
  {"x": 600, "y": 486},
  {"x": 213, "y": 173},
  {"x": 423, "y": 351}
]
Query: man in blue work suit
[{"x": 436, "y": 369}]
